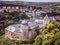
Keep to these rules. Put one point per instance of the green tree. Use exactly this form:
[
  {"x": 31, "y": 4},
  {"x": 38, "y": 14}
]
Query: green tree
[
  {"x": 37, "y": 29},
  {"x": 38, "y": 40}
]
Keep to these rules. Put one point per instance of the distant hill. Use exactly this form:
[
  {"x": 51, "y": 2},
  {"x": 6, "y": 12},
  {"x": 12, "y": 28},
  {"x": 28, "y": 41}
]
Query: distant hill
[{"x": 29, "y": 3}]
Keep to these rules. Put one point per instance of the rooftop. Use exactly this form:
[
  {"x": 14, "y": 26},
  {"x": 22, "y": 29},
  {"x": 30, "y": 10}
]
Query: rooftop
[
  {"x": 14, "y": 28},
  {"x": 26, "y": 25}
]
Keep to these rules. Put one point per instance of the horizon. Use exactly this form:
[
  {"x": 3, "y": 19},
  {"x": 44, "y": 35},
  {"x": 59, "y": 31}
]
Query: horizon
[{"x": 34, "y": 0}]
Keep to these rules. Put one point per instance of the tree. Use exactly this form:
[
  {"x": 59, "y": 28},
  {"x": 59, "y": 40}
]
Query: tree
[
  {"x": 24, "y": 16},
  {"x": 37, "y": 29},
  {"x": 38, "y": 40},
  {"x": 51, "y": 34}
]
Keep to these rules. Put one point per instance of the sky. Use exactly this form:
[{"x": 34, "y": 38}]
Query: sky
[{"x": 34, "y": 0}]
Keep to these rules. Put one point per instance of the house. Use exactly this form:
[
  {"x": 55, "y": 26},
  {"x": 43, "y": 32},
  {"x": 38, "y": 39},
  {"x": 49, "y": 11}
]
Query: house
[
  {"x": 42, "y": 21},
  {"x": 19, "y": 32},
  {"x": 25, "y": 30}
]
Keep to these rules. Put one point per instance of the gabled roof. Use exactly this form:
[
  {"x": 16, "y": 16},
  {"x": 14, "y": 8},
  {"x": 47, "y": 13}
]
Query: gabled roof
[
  {"x": 11, "y": 28},
  {"x": 32, "y": 25},
  {"x": 46, "y": 17},
  {"x": 14, "y": 28}
]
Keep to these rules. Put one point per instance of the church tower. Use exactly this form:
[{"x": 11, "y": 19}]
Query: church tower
[{"x": 46, "y": 20}]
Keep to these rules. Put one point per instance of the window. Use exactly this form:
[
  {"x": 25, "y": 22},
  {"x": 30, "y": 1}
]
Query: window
[
  {"x": 15, "y": 36},
  {"x": 29, "y": 29}
]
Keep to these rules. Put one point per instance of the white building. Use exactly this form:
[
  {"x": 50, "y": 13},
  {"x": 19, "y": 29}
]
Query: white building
[
  {"x": 19, "y": 32},
  {"x": 46, "y": 19},
  {"x": 41, "y": 22},
  {"x": 25, "y": 30}
]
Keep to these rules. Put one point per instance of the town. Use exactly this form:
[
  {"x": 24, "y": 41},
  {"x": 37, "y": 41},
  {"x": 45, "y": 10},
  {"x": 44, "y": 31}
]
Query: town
[{"x": 25, "y": 22}]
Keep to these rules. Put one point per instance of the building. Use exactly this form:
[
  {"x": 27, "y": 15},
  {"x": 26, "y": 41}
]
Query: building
[
  {"x": 25, "y": 30},
  {"x": 46, "y": 19},
  {"x": 42, "y": 21},
  {"x": 19, "y": 32}
]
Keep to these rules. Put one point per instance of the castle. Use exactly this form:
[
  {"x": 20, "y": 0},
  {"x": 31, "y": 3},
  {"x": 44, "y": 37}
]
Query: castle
[{"x": 25, "y": 30}]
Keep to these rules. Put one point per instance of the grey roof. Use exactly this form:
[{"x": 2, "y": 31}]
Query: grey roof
[
  {"x": 32, "y": 24},
  {"x": 29, "y": 24},
  {"x": 14, "y": 28},
  {"x": 18, "y": 27}
]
